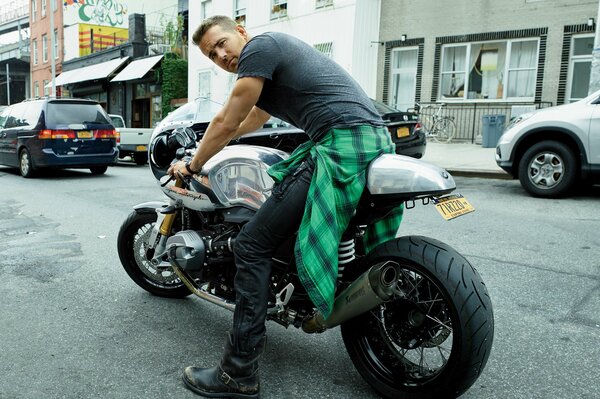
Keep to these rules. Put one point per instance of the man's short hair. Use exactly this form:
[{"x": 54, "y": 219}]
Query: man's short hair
[{"x": 223, "y": 21}]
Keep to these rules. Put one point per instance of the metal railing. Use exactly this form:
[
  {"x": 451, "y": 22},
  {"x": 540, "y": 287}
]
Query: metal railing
[{"x": 469, "y": 116}]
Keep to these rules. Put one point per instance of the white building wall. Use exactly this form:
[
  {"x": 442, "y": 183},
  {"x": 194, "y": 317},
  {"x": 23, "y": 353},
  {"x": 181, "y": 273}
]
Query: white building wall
[{"x": 351, "y": 25}]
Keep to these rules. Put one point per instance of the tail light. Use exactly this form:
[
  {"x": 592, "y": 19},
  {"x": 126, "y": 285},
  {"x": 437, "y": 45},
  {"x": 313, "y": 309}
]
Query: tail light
[
  {"x": 56, "y": 134},
  {"x": 418, "y": 126},
  {"x": 107, "y": 134}
]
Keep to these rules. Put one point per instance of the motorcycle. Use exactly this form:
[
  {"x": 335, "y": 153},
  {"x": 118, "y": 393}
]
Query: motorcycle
[{"x": 415, "y": 316}]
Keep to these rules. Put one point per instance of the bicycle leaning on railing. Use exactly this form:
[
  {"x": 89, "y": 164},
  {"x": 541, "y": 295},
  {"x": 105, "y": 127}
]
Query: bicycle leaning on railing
[{"x": 438, "y": 126}]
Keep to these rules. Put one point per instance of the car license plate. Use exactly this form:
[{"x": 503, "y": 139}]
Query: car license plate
[
  {"x": 141, "y": 148},
  {"x": 84, "y": 134},
  {"x": 453, "y": 206},
  {"x": 402, "y": 132}
]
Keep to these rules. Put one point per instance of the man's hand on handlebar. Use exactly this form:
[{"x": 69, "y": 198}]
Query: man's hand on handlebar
[{"x": 178, "y": 166}]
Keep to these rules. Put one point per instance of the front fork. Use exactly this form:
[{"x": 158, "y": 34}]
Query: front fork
[{"x": 162, "y": 227}]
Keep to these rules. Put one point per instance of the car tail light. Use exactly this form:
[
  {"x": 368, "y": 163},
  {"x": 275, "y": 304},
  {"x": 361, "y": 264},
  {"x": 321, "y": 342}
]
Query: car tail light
[
  {"x": 56, "y": 134},
  {"x": 106, "y": 134}
]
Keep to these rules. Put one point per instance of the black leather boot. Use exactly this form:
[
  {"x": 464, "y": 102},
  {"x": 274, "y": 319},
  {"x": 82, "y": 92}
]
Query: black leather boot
[{"x": 235, "y": 377}]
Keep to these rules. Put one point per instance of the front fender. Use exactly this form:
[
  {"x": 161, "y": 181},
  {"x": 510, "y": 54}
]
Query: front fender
[{"x": 148, "y": 207}]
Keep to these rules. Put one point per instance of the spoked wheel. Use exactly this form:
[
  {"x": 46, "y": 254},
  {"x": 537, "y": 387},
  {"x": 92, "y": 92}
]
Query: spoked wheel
[
  {"x": 444, "y": 129},
  {"x": 135, "y": 255},
  {"x": 431, "y": 341}
]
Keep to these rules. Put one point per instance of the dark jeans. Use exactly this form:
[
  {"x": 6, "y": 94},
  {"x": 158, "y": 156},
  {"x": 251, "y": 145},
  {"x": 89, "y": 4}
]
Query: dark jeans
[{"x": 276, "y": 220}]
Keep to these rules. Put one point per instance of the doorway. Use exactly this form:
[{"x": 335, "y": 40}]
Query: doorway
[{"x": 140, "y": 117}]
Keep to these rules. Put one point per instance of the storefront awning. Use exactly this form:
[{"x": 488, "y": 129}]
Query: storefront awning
[
  {"x": 137, "y": 69},
  {"x": 91, "y": 72}
]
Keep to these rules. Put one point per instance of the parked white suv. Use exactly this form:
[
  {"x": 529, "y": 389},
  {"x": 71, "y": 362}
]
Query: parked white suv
[{"x": 551, "y": 149}]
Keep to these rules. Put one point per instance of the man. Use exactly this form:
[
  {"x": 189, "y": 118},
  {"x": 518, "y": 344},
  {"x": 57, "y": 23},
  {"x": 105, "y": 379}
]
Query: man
[{"x": 317, "y": 188}]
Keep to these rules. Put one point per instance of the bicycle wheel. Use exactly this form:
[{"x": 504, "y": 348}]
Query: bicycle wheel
[{"x": 444, "y": 130}]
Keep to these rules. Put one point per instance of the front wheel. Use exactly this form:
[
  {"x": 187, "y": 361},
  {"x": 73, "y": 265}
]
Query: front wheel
[
  {"x": 135, "y": 255},
  {"x": 434, "y": 339},
  {"x": 547, "y": 169}
]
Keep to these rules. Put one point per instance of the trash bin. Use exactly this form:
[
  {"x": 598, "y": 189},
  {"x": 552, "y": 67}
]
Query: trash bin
[{"x": 493, "y": 126}]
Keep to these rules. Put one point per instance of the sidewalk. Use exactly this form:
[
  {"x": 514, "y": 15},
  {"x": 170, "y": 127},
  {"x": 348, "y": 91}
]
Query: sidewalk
[{"x": 465, "y": 160}]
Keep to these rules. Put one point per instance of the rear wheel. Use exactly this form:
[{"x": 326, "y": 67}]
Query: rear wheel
[
  {"x": 434, "y": 339},
  {"x": 135, "y": 255},
  {"x": 140, "y": 158},
  {"x": 98, "y": 170},
  {"x": 26, "y": 167}
]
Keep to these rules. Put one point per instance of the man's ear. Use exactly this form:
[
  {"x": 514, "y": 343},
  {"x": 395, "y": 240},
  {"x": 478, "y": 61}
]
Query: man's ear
[{"x": 242, "y": 31}]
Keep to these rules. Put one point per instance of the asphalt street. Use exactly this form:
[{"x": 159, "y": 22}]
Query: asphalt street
[{"x": 72, "y": 324}]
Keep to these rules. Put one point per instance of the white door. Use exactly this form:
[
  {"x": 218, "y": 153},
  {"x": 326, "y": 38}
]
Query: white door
[{"x": 404, "y": 78}]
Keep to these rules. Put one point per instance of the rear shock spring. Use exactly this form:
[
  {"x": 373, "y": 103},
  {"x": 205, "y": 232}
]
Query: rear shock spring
[{"x": 346, "y": 252}]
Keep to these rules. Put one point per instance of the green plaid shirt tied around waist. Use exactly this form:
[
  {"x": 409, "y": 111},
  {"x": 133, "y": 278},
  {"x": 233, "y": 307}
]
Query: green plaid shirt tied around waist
[{"x": 341, "y": 160}]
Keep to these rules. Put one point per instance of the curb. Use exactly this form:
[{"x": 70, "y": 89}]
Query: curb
[{"x": 484, "y": 174}]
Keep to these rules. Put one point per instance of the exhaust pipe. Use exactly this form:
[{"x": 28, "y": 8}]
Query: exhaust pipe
[{"x": 371, "y": 289}]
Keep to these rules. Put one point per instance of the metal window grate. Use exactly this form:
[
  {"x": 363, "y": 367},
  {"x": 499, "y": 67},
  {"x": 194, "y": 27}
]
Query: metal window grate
[{"x": 325, "y": 48}]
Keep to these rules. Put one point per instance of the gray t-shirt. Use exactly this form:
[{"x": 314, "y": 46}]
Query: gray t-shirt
[{"x": 304, "y": 87}]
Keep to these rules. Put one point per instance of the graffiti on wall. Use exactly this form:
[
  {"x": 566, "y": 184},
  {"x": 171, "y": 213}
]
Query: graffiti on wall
[{"x": 99, "y": 12}]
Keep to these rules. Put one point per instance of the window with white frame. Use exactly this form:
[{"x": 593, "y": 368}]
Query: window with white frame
[
  {"x": 33, "y": 10},
  {"x": 323, "y": 3},
  {"x": 43, "y": 8},
  {"x": 580, "y": 66},
  {"x": 55, "y": 44},
  {"x": 403, "y": 72},
  {"x": 35, "y": 51},
  {"x": 44, "y": 48},
  {"x": 204, "y": 78},
  {"x": 325, "y": 48},
  {"x": 205, "y": 9},
  {"x": 239, "y": 12},
  {"x": 46, "y": 88},
  {"x": 278, "y": 8},
  {"x": 489, "y": 70},
  {"x": 36, "y": 89}
]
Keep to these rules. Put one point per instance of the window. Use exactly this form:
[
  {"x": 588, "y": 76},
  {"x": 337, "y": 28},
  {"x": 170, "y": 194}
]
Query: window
[
  {"x": 325, "y": 48},
  {"x": 404, "y": 77},
  {"x": 489, "y": 70},
  {"x": 43, "y": 8},
  {"x": 278, "y": 8},
  {"x": 44, "y": 48},
  {"x": 323, "y": 3},
  {"x": 46, "y": 89},
  {"x": 205, "y": 9},
  {"x": 33, "y": 10},
  {"x": 580, "y": 66},
  {"x": 239, "y": 12},
  {"x": 36, "y": 89},
  {"x": 55, "y": 47},
  {"x": 35, "y": 51},
  {"x": 204, "y": 84}
]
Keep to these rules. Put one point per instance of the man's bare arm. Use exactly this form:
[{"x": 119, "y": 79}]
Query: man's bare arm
[
  {"x": 225, "y": 126},
  {"x": 255, "y": 120}
]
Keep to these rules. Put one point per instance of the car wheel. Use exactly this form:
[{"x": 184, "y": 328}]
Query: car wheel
[
  {"x": 547, "y": 169},
  {"x": 25, "y": 164},
  {"x": 140, "y": 158},
  {"x": 98, "y": 170}
]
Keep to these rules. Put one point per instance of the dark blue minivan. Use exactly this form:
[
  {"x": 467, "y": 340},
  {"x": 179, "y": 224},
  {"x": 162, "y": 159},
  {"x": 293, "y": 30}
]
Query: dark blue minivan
[{"x": 57, "y": 133}]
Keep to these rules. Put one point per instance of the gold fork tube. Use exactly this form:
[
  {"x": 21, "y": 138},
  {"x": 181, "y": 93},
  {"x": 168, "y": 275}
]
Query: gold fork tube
[{"x": 167, "y": 223}]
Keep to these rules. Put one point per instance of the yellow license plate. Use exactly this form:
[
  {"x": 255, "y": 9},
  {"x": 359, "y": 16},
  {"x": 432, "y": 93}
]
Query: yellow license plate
[
  {"x": 84, "y": 134},
  {"x": 402, "y": 132},
  {"x": 453, "y": 206},
  {"x": 141, "y": 148}
]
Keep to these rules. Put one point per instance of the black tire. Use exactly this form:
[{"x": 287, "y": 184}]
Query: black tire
[
  {"x": 132, "y": 248},
  {"x": 548, "y": 169},
  {"x": 26, "y": 167},
  {"x": 445, "y": 316},
  {"x": 98, "y": 170},
  {"x": 140, "y": 158}
]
